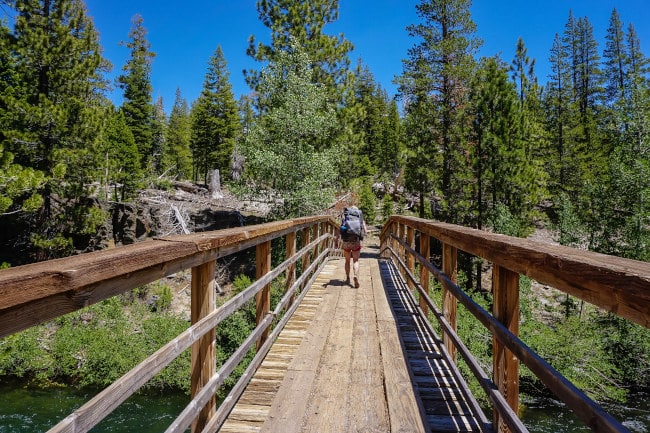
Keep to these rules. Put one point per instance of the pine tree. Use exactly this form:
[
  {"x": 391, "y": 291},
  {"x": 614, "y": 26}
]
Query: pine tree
[
  {"x": 615, "y": 60},
  {"x": 19, "y": 185},
  {"x": 58, "y": 67},
  {"x": 439, "y": 68},
  {"x": 304, "y": 22},
  {"x": 158, "y": 136},
  {"x": 121, "y": 160},
  {"x": 558, "y": 103},
  {"x": 177, "y": 158},
  {"x": 136, "y": 84},
  {"x": 215, "y": 121}
]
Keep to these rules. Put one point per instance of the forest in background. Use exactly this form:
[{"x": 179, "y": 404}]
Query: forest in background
[{"x": 477, "y": 141}]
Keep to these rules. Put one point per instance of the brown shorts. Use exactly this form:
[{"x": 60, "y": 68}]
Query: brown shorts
[{"x": 351, "y": 245}]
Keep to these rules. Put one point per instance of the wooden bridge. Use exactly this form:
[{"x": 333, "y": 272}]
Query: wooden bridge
[{"x": 329, "y": 357}]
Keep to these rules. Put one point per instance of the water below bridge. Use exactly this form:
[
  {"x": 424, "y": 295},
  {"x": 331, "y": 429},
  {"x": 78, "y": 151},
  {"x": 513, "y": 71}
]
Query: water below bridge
[{"x": 31, "y": 410}]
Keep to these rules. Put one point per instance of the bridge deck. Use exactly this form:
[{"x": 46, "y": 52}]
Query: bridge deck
[{"x": 355, "y": 360}]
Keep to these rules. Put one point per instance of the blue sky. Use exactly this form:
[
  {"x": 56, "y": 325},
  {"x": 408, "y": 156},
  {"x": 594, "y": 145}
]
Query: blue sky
[{"x": 185, "y": 35}]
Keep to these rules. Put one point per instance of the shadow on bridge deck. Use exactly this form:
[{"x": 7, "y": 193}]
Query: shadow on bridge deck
[{"x": 355, "y": 360}]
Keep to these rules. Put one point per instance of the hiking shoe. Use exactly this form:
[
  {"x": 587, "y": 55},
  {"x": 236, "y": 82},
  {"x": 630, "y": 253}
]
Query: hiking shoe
[{"x": 356, "y": 283}]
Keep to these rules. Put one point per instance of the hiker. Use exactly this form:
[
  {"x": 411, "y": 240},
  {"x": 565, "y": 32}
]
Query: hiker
[{"x": 353, "y": 229}]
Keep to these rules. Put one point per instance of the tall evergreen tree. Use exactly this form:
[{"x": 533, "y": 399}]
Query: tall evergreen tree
[
  {"x": 120, "y": 157},
  {"x": 441, "y": 65},
  {"x": 58, "y": 68},
  {"x": 522, "y": 71},
  {"x": 136, "y": 83},
  {"x": 158, "y": 136},
  {"x": 215, "y": 121},
  {"x": 558, "y": 105},
  {"x": 177, "y": 158},
  {"x": 19, "y": 185},
  {"x": 615, "y": 60},
  {"x": 304, "y": 22}
]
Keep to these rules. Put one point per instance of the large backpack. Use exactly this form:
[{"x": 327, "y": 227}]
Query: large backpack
[{"x": 351, "y": 224}]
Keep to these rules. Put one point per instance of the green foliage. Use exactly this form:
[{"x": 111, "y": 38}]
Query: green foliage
[
  {"x": 576, "y": 349},
  {"x": 177, "y": 155},
  {"x": 386, "y": 207},
  {"x": 215, "y": 121},
  {"x": 292, "y": 138},
  {"x": 298, "y": 23},
  {"x": 120, "y": 157},
  {"x": 136, "y": 83},
  {"x": 164, "y": 300},
  {"x": 95, "y": 346},
  {"x": 367, "y": 203}
]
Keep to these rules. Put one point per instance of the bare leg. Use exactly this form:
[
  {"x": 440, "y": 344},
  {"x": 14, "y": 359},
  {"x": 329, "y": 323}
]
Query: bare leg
[
  {"x": 347, "y": 265},
  {"x": 355, "y": 266}
]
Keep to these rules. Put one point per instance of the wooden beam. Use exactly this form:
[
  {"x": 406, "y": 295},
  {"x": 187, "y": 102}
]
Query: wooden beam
[
  {"x": 505, "y": 287},
  {"x": 618, "y": 285},
  {"x": 410, "y": 260},
  {"x": 290, "y": 246},
  {"x": 263, "y": 298},
  {"x": 449, "y": 302},
  {"x": 203, "y": 351},
  {"x": 424, "y": 272}
]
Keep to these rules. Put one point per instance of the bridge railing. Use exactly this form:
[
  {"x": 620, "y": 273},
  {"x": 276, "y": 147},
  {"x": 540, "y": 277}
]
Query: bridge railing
[
  {"x": 35, "y": 293},
  {"x": 617, "y": 285}
]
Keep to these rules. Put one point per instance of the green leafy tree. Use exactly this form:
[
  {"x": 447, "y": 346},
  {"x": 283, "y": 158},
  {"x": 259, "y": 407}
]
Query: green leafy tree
[
  {"x": 136, "y": 84},
  {"x": 288, "y": 138},
  {"x": 177, "y": 158},
  {"x": 215, "y": 121}
]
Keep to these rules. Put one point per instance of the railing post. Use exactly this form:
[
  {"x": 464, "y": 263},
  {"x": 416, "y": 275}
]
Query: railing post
[
  {"x": 306, "y": 238},
  {"x": 506, "y": 365},
  {"x": 400, "y": 248},
  {"x": 290, "y": 242},
  {"x": 203, "y": 357},
  {"x": 410, "y": 259},
  {"x": 263, "y": 297},
  {"x": 322, "y": 229},
  {"x": 424, "y": 272},
  {"x": 449, "y": 303}
]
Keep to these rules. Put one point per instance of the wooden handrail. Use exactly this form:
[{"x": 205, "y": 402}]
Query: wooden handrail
[
  {"x": 618, "y": 285},
  {"x": 615, "y": 284},
  {"x": 33, "y": 294}
]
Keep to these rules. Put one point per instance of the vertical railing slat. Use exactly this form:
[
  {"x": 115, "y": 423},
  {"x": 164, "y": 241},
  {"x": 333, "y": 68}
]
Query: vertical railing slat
[
  {"x": 410, "y": 259},
  {"x": 290, "y": 243},
  {"x": 263, "y": 297},
  {"x": 203, "y": 359},
  {"x": 424, "y": 272},
  {"x": 506, "y": 365},
  {"x": 449, "y": 303}
]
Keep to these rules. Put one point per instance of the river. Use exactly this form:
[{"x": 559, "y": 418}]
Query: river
[{"x": 30, "y": 410}]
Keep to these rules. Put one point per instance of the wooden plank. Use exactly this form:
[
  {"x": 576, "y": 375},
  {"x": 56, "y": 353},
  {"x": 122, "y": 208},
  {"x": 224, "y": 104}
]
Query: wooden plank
[
  {"x": 328, "y": 404},
  {"x": 449, "y": 303},
  {"x": 287, "y": 411},
  {"x": 368, "y": 407},
  {"x": 203, "y": 359},
  {"x": 404, "y": 408},
  {"x": 263, "y": 297},
  {"x": 505, "y": 307}
]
